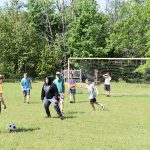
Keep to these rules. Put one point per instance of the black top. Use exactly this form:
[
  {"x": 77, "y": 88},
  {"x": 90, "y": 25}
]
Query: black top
[{"x": 49, "y": 91}]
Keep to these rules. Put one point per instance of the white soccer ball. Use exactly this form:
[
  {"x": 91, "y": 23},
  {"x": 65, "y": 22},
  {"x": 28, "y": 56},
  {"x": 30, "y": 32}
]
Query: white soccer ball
[{"x": 12, "y": 128}]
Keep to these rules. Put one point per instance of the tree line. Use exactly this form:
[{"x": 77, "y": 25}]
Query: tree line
[{"x": 38, "y": 37}]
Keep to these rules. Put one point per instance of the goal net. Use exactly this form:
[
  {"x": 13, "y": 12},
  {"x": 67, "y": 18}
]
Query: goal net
[{"x": 129, "y": 75}]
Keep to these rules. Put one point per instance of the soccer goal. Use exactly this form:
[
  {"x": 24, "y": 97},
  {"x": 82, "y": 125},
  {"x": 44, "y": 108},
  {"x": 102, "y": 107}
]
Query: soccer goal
[
  {"x": 77, "y": 74},
  {"x": 133, "y": 72}
]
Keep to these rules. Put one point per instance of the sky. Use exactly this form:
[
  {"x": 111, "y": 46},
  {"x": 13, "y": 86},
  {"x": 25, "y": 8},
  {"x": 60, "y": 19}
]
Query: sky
[{"x": 102, "y": 3}]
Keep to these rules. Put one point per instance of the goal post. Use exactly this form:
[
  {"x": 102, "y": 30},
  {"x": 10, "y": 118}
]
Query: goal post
[{"x": 109, "y": 64}]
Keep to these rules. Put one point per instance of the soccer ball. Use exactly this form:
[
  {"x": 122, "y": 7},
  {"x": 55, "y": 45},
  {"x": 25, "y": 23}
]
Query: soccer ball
[{"x": 11, "y": 128}]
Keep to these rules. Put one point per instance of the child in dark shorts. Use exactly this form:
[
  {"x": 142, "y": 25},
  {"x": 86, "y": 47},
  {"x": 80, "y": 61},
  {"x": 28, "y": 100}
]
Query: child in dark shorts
[
  {"x": 107, "y": 83},
  {"x": 72, "y": 88},
  {"x": 92, "y": 94}
]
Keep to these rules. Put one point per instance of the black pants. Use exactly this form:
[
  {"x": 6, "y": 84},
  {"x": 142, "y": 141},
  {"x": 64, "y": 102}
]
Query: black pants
[{"x": 56, "y": 107}]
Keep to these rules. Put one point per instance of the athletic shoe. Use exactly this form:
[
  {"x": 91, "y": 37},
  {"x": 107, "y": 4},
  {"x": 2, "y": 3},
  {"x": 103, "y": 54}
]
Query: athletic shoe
[
  {"x": 48, "y": 117},
  {"x": 62, "y": 117},
  {"x": 103, "y": 107}
]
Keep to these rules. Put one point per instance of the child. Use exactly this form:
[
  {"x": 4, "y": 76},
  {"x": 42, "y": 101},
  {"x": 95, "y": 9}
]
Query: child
[
  {"x": 50, "y": 95},
  {"x": 1, "y": 93},
  {"x": 72, "y": 88},
  {"x": 26, "y": 86},
  {"x": 107, "y": 83},
  {"x": 92, "y": 94},
  {"x": 61, "y": 90}
]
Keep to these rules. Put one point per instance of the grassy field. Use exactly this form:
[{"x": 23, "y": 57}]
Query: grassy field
[{"x": 125, "y": 125}]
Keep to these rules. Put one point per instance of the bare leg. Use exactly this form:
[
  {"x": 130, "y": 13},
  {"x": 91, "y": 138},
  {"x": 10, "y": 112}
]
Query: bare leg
[
  {"x": 70, "y": 97},
  {"x": 27, "y": 98},
  {"x": 24, "y": 96},
  {"x": 2, "y": 102},
  {"x": 92, "y": 104},
  {"x": 62, "y": 105},
  {"x": 73, "y": 98},
  {"x": 107, "y": 93},
  {"x": 100, "y": 104}
]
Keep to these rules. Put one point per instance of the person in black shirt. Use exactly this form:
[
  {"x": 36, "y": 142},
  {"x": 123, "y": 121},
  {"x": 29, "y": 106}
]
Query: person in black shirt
[{"x": 49, "y": 95}]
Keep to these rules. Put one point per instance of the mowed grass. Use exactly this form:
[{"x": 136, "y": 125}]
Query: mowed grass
[{"x": 125, "y": 125}]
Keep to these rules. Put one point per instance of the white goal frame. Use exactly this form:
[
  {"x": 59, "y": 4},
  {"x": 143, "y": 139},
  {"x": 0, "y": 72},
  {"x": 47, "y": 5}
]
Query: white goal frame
[{"x": 96, "y": 58}]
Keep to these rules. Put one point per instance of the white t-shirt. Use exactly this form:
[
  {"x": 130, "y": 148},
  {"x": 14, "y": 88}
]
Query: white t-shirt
[
  {"x": 107, "y": 80},
  {"x": 91, "y": 90}
]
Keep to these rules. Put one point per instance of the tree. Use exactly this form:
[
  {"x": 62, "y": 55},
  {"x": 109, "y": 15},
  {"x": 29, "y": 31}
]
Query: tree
[
  {"x": 87, "y": 33},
  {"x": 128, "y": 36}
]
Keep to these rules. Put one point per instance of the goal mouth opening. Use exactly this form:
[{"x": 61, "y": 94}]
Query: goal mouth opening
[{"x": 124, "y": 72}]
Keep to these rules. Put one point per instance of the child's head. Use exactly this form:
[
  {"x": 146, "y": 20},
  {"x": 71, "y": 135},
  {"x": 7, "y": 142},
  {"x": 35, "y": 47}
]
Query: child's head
[
  {"x": 48, "y": 80},
  {"x": 25, "y": 75},
  {"x": 58, "y": 75},
  {"x": 107, "y": 73},
  {"x": 1, "y": 78},
  {"x": 88, "y": 81}
]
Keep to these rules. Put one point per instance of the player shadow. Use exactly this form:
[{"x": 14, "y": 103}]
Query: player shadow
[
  {"x": 26, "y": 129},
  {"x": 82, "y": 101},
  {"x": 66, "y": 117},
  {"x": 36, "y": 102},
  {"x": 74, "y": 112},
  {"x": 130, "y": 96}
]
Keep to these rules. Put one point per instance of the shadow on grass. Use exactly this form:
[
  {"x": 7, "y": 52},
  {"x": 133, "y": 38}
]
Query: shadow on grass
[
  {"x": 66, "y": 117},
  {"x": 82, "y": 101},
  {"x": 36, "y": 102},
  {"x": 26, "y": 129},
  {"x": 74, "y": 112},
  {"x": 129, "y": 96}
]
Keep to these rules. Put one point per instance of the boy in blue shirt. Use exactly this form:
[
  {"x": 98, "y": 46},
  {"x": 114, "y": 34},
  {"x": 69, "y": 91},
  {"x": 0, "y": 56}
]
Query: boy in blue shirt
[{"x": 26, "y": 86}]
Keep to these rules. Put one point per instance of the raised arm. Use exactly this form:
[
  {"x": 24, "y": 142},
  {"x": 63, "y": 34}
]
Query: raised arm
[{"x": 96, "y": 90}]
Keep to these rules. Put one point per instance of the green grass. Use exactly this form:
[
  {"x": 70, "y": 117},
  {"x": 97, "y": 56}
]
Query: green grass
[{"x": 124, "y": 126}]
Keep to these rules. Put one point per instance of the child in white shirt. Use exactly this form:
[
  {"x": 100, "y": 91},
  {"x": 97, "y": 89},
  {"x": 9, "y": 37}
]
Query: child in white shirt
[
  {"x": 107, "y": 83},
  {"x": 92, "y": 94}
]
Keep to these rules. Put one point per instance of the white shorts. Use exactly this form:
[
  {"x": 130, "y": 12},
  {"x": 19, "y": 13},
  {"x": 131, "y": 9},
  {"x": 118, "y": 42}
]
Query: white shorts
[{"x": 62, "y": 96}]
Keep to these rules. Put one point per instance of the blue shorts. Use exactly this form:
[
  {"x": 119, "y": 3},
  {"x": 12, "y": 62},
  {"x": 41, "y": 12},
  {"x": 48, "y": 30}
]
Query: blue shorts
[
  {"x": 72, "y": 91},
  {"x": 26, "y": 92}
]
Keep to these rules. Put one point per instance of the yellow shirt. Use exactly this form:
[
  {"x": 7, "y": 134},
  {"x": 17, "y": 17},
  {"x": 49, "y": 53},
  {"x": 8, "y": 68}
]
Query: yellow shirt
[{"x": 1, "y": 89}]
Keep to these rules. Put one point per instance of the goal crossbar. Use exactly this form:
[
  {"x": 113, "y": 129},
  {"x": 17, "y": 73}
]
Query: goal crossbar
[{"x": 96, "y": 58}]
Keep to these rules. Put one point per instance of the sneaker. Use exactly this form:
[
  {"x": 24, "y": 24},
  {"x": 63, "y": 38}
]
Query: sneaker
[
  {"x": 62, "y": 117},
  {"x": 103, "y": 107},
  {"x": 48, "y": 117}
]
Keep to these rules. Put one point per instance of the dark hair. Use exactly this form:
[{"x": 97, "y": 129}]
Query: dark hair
[
  {"x": 1, "y": 77},
  {"x": 50, "y": 80},
  {"x": 90, "y": 79}
]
